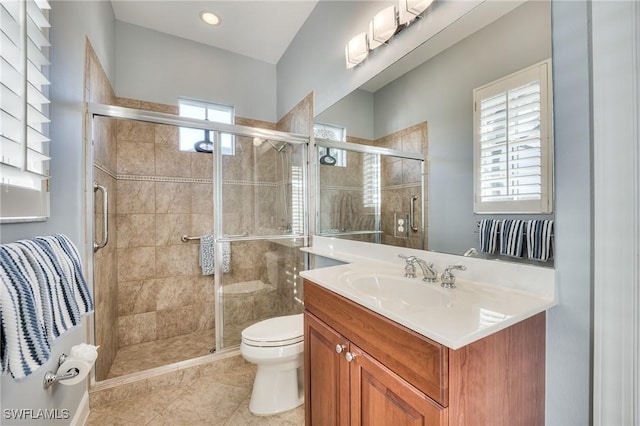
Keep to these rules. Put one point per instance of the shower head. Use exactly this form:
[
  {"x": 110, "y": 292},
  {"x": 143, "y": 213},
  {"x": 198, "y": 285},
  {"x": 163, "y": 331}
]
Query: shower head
[{"x": 259, "y": 141}]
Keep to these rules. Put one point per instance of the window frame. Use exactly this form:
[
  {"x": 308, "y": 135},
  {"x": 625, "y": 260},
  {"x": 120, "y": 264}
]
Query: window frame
[
  {"x": 542, "y": 72},
  {"x": 207, "y": 105},
  {"x": 24, "y": 176}
]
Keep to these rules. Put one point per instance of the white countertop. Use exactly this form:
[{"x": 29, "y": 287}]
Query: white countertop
[{"x": 452, "y": 317}]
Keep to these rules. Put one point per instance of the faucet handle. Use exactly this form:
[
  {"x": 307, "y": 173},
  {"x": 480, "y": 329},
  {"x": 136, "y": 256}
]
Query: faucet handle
[
  {"x": 409, "y": 267},
  {"x": 448, "y": 279}
]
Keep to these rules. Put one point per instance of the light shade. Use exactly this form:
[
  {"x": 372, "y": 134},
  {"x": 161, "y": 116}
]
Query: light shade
[
  {"x": 209, "y": 18},
  {"x": 382, "y": 27},
  {"x": 409, "y": 9},
  {"x": 356, "y": 50}
]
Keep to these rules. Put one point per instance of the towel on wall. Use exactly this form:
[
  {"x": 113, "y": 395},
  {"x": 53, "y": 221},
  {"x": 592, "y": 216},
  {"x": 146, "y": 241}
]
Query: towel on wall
[
  {"x": 488, "y": 230},
  {"x": 208, "y": 255},
  {"x": 540, "y": 240},
  {"x": 25, "y": 346},
  {"x": 43, "y": 294},
  {"x": 512, "y": 238}
]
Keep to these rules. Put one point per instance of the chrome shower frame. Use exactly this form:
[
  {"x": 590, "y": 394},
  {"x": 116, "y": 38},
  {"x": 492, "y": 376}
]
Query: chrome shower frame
[{"x": 116, "y": 112}]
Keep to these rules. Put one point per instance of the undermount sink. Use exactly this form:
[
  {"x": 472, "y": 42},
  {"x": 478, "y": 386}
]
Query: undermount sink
[{"x": 388, "y": 291}]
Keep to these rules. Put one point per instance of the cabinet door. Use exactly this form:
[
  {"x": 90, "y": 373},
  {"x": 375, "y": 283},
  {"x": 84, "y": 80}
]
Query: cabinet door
[
  {"x": 380, "y": 397},
  {"x": 326, "y": 375}
]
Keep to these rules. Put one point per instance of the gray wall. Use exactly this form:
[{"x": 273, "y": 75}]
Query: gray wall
[
  {"x": 355, "y": 112},
  {"x": 67, "y": 34},
  {"x": 315, "y": 59},
  {"x": 157, "y": 67},
  {"x": 568, "y": 326}
]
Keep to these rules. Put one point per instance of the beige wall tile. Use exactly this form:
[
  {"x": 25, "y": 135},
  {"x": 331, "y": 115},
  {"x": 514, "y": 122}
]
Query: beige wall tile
[
  {"x": 135, "y": 197},
  {"x": 174, "y": 292},
  {"x": 177, "y": 260},
  {"x": 137, "y": 328},
  {"x": 135, "y": 297},
  {"x": 202, "y": 198},
  {"x": 135, "y": 131},
  {"x": 169, "y": 161},
  {"x": 201, "y": 165},
  {"x": 136, "y": 230},
  {"x": 172, "y": 197},
  {"x": 165, "y": 134},
  {"x": 136, "y": 263},
  {"x": 177, "y": 321},
  {"x": 170, "y": 227},
  {"x": 135, "y": 158}
]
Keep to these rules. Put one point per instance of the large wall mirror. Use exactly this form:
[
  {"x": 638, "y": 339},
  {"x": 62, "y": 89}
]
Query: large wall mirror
[{"x": 429, "y": 110}]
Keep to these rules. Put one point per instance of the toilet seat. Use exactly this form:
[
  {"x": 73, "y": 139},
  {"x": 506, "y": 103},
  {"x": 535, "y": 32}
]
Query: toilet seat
[{"x": 273, "y": 332}]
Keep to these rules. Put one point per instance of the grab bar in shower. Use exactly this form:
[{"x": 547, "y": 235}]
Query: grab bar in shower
[
  {"x": 105, "y": 217},
  {"x": 412, "y": 211},
  {"x": 186, "y": 238}
]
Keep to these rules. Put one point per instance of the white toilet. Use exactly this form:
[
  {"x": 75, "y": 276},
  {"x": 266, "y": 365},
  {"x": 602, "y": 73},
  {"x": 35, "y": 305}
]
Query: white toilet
[{"x": 276, "y": 346}]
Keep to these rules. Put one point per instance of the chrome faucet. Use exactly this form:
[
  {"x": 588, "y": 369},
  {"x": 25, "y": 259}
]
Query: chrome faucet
[
  {"x": 448, "y": 279},
  {"x": 430, "y": 274}
]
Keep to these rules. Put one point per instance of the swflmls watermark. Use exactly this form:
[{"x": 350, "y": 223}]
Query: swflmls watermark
[{"x": 35, "y": 414}]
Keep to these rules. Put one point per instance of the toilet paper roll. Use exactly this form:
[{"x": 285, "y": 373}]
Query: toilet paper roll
[{"x": 83, "y": 367}]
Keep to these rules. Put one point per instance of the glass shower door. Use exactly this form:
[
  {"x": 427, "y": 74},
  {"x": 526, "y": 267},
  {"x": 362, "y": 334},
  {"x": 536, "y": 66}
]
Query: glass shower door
[{"x": 260, "y": 226}]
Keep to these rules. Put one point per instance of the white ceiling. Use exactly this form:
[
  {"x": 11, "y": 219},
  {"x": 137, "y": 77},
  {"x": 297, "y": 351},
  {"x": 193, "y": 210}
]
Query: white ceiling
[{"x": 260, "y": 29}]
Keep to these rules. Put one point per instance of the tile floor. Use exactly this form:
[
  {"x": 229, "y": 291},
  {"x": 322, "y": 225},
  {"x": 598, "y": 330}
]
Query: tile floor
[
  {"x": 217, "y": 399},
  {"x": 147, "y": 355}
]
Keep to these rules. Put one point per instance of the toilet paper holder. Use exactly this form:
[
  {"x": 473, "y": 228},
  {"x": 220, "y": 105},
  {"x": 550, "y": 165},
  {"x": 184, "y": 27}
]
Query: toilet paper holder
[{"x": 50, "y": 377}]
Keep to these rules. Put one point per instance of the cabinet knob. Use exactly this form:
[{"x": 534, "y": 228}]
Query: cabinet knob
[
  {"x": 340, "y": 348},
  {"x": 349, "y": 356}
]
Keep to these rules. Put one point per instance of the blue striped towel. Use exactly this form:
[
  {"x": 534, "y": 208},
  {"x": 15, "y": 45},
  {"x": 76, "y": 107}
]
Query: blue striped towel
[
  {"x": 540, "y": 240},
  {"x": 207, "y": 255},
  {"x": 512, "y": 238},
  {"x": 25, "y": 346},
  {"x": 488, "y": 229},
  {"x": 59, "y": 295}
]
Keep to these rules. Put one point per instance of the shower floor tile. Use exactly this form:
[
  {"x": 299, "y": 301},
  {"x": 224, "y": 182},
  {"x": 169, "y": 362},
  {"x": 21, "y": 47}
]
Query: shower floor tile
[
  {"x": 143, "y": 356},
  {"x": 219, "y": 399}
]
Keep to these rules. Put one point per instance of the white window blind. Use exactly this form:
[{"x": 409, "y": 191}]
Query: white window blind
[
  {"x": 371, "y": 180},
  {"x": 512, "y": 143},
  {"x": 24, "y": 164}
]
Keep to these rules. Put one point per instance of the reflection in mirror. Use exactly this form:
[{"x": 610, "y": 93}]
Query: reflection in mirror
[
  {"x": 373, "y": 196},
  {"x": 439, "y": 91}
]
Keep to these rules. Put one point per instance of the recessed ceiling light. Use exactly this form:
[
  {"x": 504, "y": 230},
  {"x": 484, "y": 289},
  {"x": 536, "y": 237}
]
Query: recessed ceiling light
[{"x": 209, "y": 18}]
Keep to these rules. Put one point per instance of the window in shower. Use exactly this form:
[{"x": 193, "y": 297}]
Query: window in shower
[
  {"x": 202, "y": 140},
  {"x": 332, "y": 133}
]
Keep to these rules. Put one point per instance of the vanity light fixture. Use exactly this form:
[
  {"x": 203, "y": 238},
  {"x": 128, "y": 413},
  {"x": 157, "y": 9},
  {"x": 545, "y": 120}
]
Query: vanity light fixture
[
  {"x": 408, "y": 10},
  {"x": 356, "y": 50},
  {"x": 209, "y": 18},
  {"x": 382, "y": 27}
]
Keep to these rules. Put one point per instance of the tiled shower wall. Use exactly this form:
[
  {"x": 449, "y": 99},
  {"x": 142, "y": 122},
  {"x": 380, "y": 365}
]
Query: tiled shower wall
[
  {"x": 400, "y": 179},
  {"x": 163, "y": 193},
  {"x": 98, "y": 90}
]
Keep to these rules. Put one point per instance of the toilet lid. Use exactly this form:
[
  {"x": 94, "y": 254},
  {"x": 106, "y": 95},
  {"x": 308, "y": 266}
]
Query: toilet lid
[{"x": 277, "y": 331}]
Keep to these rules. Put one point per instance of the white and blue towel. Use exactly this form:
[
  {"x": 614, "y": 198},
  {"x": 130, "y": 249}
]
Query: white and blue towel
[
  {"x": 208, "y": 255},
  {"x": 512, "y": 238},
  {"x": 43, "y": 294},
  {"x": 540, "y": 240},
  {"x": 488, "y": 229}
]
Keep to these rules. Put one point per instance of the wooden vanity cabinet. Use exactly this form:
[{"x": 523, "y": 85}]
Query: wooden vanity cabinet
[{"x": 364, "y": 369}]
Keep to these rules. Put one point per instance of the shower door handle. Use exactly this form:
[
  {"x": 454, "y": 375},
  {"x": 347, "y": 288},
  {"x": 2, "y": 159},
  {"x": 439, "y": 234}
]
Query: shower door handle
[
  {"x": 105, "y": 217},
  {"x": 412, "y": 211}
]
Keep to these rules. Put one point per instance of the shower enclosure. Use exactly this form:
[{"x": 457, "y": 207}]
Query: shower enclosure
[
  {"x": 371, "y": 194},
  {"x": 245, "y": 196}
]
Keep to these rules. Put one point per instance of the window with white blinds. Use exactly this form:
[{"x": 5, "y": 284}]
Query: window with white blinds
[
  {"x": 24, "y": 164},
  {"x": 513, "y": 148}
]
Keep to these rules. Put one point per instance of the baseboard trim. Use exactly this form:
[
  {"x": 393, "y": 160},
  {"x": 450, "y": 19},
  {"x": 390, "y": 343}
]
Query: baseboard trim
[{"x": 82, "y": 412}]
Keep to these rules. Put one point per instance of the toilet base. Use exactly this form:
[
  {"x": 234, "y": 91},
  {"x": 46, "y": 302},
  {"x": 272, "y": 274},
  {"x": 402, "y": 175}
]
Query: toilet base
[{"x": 276, "y": 390}]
